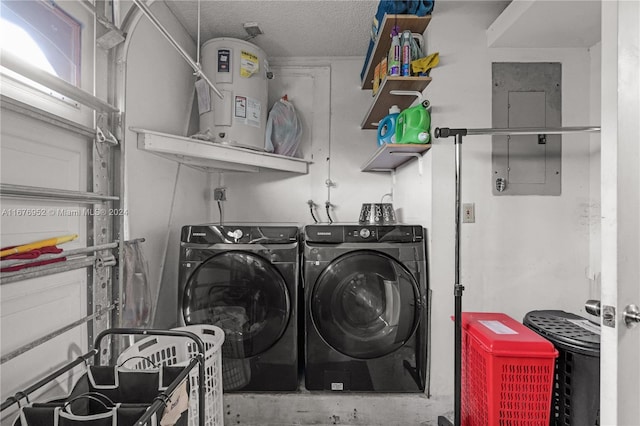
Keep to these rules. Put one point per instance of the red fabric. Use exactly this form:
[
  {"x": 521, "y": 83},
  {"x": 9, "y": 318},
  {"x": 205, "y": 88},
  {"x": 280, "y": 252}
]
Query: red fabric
[
  {"x": 32, "y": 254},
  {"x": 31, "y": 265}
]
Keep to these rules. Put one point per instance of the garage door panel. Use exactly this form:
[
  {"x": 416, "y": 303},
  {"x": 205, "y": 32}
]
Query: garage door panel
[
  {"x": 25, "y": 221},
  {"x": 37, "y": 154}
]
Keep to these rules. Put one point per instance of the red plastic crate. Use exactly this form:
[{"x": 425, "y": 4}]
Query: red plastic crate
[{"x": 507, "y": 372}]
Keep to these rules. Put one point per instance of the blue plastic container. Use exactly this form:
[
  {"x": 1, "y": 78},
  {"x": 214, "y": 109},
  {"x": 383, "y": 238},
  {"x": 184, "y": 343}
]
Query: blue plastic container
[{"x": 387, "y": 127}]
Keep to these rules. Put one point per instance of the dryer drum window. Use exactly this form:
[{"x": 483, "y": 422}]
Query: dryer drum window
[
  {"x": 243, "y": 294},
  {"x": 365, "y": 304}
]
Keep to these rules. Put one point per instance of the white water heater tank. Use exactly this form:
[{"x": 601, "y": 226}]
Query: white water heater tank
[{"x": 239, "y": 70}]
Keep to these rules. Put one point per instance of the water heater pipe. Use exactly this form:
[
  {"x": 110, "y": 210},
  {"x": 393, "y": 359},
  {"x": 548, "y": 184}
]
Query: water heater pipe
[{"x": 145, "y": 10}]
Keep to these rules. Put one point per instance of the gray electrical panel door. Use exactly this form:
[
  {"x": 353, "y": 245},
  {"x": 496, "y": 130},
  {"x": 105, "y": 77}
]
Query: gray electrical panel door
[{"x": 526, "y": 95}]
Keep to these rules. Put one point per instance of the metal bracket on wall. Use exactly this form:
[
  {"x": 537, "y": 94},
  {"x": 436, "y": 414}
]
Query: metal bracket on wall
[
  {"x": 410, "y": 154},
  {"x": 103, "y": 135}
]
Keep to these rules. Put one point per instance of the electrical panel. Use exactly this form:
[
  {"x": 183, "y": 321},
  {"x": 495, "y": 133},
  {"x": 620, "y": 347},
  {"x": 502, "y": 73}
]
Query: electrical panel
[{"x": 526, "y": 95}]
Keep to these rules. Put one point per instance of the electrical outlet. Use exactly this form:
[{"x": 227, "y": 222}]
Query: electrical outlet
[
  {"x": 468, "y": 213},
  {"x": 220, "y": 194}
]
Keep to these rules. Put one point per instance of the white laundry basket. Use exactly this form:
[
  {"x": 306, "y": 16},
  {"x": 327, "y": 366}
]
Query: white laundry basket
[{"x": 177, "y": 351}]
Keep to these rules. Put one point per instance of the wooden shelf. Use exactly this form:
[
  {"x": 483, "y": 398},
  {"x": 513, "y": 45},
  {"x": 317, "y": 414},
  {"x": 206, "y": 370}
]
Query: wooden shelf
[
  {"x": 417, "y": 24},
  {"x": 391, "y": 156},
  {"x": 384, "y": 99},
  {"x": 209, "y": 156}
]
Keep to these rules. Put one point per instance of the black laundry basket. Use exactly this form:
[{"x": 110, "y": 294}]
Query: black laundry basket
[
  {"x": 576, "y": 393},
  {"x": 115, "y": 395}
]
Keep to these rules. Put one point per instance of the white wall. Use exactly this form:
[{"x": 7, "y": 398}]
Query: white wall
[
  {"x": 282, "y": 197},
  {"x": 161, "y": 196}
]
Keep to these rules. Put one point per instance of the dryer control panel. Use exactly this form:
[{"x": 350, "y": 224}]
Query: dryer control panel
[
  {"x": 363, "y": 233},
  {"x": 239, "y": 234}
]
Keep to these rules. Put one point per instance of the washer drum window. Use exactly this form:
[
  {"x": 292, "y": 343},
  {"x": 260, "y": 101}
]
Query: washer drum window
[
  {"x": 243, "y": 294},
  {"x": 365, "y": 304}
]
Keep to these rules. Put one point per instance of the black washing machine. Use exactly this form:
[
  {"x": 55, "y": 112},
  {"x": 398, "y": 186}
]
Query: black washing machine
[
  {"x": 244, "y": 279},
  {"x": 365, "y": 290}
]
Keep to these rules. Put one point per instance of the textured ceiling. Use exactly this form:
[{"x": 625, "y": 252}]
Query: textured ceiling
[
  {"x": 291, "y": 28},
  {"x": 317, "y": 28}
]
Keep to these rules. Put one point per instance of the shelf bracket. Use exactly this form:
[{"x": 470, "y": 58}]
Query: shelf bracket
[
  {"x": 406, "y": 93},
  {"x": 410, "y": 154},
  {"x": 425, "y": 103}
]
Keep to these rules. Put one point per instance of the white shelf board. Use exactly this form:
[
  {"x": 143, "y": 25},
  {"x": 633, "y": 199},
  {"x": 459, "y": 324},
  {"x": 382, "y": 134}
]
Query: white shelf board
[
  {"x": 391, "y": 156},
  {"x": 211, "y": 156}
]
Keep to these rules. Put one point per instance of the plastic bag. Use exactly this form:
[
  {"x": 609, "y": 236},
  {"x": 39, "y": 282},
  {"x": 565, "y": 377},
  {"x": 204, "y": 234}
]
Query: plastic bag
[
  {"x": 284, "y": 130},
  {"x": 137, "y": 307}
]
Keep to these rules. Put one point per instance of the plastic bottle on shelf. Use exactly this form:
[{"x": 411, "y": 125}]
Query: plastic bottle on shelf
[
  {"x": 395, "y": 55},
  {"x": 405, "y": 43},
  {"x": 414, "y": 124},
  {"x": 387, "y": 126}
]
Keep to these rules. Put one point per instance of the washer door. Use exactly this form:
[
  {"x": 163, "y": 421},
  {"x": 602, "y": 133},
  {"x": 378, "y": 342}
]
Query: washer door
[
  {"x": 243, "y": 294},
  {"x": 365, "y": 304}
]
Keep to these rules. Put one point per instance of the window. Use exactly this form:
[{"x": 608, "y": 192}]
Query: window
[{"x": 43, "y": 34}]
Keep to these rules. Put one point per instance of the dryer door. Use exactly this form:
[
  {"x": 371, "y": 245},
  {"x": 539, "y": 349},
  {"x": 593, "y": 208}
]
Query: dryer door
[
  {"x": 243, "y": 294},
  {"x": 365, "y": 304}
]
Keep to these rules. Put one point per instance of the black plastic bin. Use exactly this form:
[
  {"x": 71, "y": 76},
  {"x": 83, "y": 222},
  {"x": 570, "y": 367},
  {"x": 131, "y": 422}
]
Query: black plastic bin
[{"x": 576, "y": 393}]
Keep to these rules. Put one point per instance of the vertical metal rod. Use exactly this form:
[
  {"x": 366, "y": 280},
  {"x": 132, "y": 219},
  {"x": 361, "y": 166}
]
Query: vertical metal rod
[{"x": 458, "y": 288}]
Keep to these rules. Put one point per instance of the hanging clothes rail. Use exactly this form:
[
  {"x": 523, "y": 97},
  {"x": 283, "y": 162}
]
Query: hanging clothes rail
[
  {"x": 196, "y": 67},
  {"x": 33, "y": 192},
  {"x": 458, "y": 288},
  {"x": 65, "y": 253},
  {"x": 445, "y": 132}
]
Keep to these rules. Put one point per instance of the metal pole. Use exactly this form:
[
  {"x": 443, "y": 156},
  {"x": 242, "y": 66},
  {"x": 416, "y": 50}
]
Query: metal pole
[
  {"x": 46, "y": 338},
  {"x": 41, "y": 271},
  {"x": 458, "y": 288},
  {"x": 66, "y": 253},
  {"x": 36, "y": 192},
  {"x": 530, "y": 130},
  {"x": 143, "y": 7}
]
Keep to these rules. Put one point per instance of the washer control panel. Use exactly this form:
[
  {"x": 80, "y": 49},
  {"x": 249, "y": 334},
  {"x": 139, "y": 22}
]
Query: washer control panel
[{"x": 360, "y": 234}]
